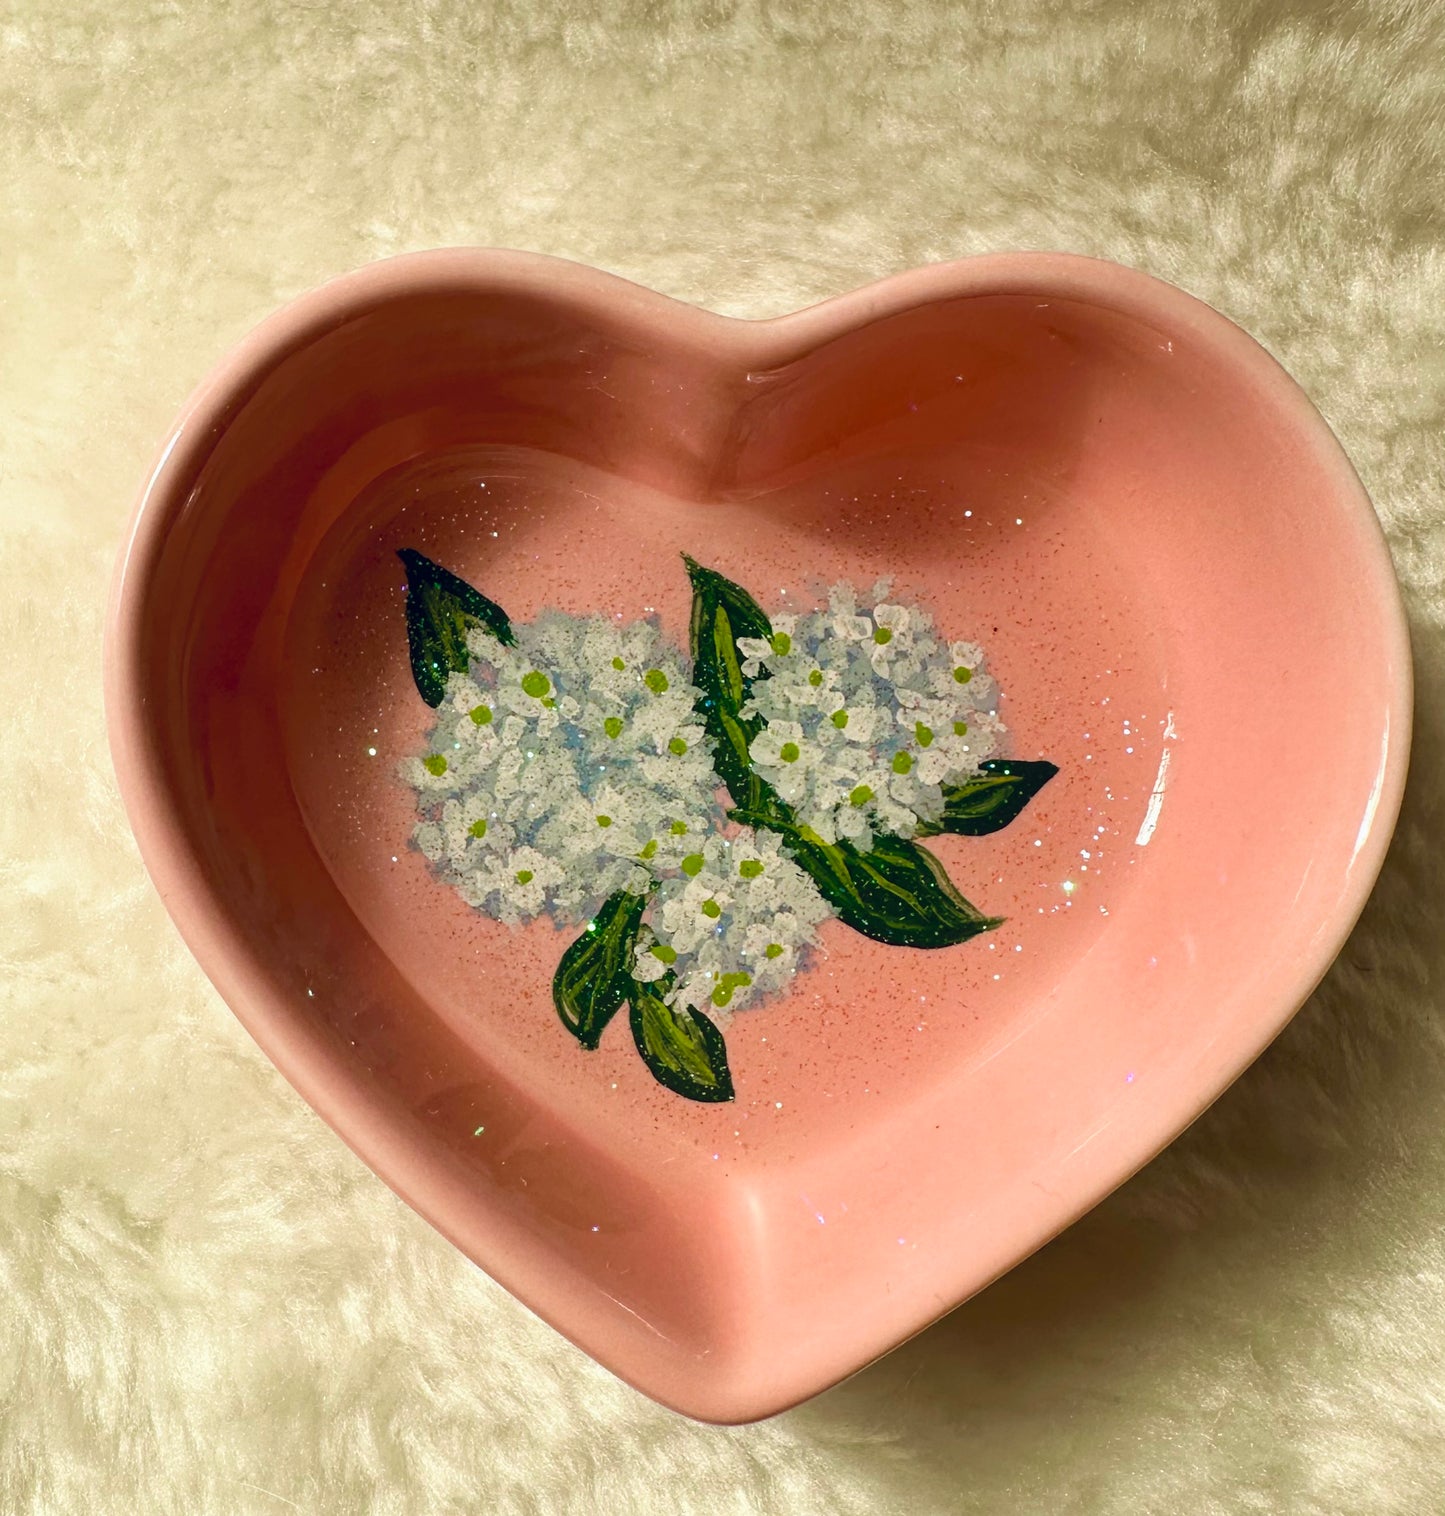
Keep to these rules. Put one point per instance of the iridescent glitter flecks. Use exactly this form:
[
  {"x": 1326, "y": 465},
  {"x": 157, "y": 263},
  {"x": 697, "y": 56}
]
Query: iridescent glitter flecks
[{"x": 701, "y": 818}]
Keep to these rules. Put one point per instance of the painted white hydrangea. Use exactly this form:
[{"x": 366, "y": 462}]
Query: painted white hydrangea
[
  {"x": 559, "y": 767},
  {"x": 572, "y": 765},
  {"x": 731, "y": 923},
  {"x": 868, "y": 715}
]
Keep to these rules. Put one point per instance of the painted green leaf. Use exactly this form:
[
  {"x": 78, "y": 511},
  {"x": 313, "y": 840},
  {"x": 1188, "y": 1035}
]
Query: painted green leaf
[
  {"x": 721, "y": 613},
  {"x": 682, "y": 1049},
  {"x": 897, "y": 892},
  {"x": 440, "y": 610},
  {"x": 990, "y": 801},
  {"x": 594, "y": 976}
]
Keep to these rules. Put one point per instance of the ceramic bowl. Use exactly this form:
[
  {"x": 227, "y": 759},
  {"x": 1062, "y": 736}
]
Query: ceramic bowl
[{"x": 1183, "y": 596}]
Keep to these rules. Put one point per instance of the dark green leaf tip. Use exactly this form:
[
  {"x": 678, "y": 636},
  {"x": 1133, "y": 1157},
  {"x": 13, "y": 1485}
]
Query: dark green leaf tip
[
  {"x": 440, "y": 610},
  {"x": 681, "y": 1047},
  {"x": 721, "y": 613},
  {"x": 594, "y": 975},
  {"x": 991, "y": 799},
  {"x": 896, "y": 892}
]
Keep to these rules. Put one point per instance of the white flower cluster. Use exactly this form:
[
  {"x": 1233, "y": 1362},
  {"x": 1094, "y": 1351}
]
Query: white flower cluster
[
  {"x": 572, "y": 765},
  {"x": 558, "y": 766},
  {"x": 731, "y": 923},
  {"x": 868, "y": 715}
]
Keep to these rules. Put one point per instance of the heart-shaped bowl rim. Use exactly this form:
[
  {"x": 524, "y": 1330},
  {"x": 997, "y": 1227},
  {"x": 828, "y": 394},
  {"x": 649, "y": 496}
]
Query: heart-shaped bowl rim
[{"x": 771, "y": 1377}]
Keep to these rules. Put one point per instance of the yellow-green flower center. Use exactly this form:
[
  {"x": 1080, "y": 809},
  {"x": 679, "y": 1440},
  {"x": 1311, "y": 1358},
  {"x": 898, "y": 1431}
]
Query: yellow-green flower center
[{"x": 730, "y": 982}]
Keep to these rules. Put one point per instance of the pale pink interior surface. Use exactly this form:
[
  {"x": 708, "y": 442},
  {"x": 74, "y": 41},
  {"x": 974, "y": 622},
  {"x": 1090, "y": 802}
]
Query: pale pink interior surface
[{"x": 1182, "y": 593}]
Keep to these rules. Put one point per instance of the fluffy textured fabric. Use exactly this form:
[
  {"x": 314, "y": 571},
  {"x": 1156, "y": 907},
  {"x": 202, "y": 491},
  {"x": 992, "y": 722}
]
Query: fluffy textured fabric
[{"x": 209, "y": 1306}]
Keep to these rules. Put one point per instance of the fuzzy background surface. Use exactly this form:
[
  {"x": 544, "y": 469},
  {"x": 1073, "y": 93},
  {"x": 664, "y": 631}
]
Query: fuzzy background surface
[{"x": 207, "y": 1305}]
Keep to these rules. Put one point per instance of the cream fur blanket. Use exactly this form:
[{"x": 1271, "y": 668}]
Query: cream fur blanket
[{"x": 209, "y": 1306}]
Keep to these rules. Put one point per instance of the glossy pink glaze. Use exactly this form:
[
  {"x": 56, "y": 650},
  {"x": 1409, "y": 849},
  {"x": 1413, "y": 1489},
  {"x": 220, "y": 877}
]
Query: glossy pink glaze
[{"x": 1182, "y": 590}]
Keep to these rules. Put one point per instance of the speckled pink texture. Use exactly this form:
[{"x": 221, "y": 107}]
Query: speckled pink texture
[{"x": 1173, "y": 570}]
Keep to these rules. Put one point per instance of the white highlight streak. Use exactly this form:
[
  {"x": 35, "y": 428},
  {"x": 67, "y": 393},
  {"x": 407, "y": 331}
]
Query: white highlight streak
[
  {"x": 1156, "y": 798},
  {"x": 1367, "y": 821}
]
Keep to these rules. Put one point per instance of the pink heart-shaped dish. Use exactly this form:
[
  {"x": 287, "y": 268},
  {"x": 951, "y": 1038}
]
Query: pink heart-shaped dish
[{"x": 1179, "y": 586}]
